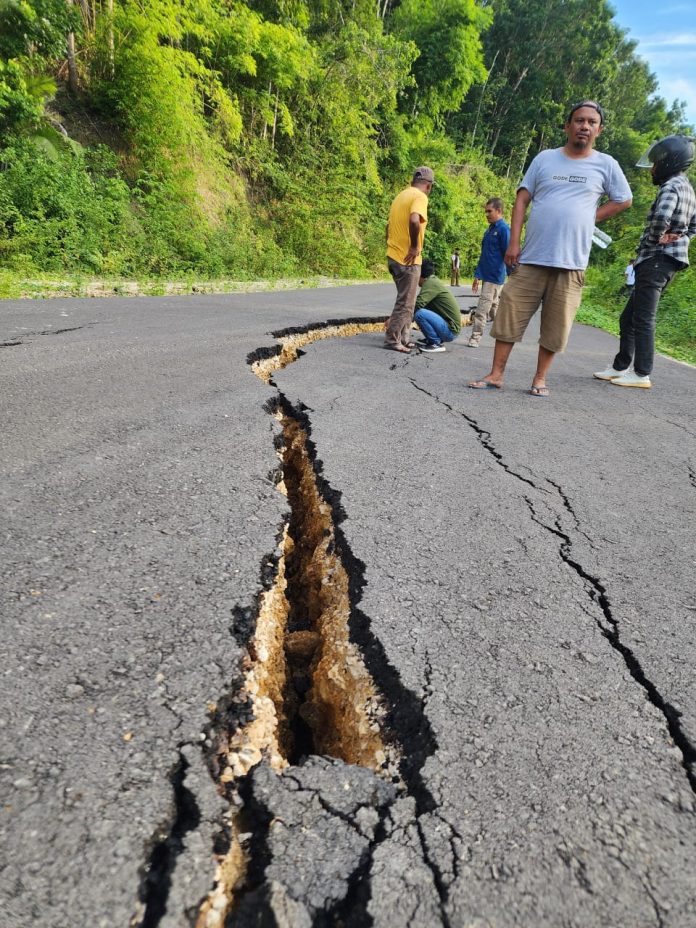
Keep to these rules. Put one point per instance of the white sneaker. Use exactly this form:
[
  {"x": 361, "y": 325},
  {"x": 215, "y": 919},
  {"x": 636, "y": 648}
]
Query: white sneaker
[
  {"x": 631, "y": 379},
  {"x": 609, "y": 374}
]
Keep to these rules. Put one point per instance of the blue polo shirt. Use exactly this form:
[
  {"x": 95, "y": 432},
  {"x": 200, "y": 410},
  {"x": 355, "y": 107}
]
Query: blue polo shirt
[{"x": 491, "y": 266}]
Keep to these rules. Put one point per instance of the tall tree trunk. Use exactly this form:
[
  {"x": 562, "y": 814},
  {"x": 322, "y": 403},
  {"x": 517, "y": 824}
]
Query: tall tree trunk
[
  {"x": 496, "y": 138},
  {"x": 265, "y": 119},
  {"x": 275, "y": 121},
  {"x": 110, "y": 38},
  {"x": 72, "y": 67},
  {"x": 87, "y": 15},
  {"x": 526, "y": 151},
  {"x": 483, "y": 93}
]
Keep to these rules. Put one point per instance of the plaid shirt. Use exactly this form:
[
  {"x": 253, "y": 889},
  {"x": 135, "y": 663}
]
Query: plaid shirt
[{"x": 673, "y": 210}]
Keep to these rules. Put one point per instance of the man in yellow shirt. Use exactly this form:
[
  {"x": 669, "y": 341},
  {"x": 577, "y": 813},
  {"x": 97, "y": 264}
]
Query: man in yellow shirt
[{"x": 408, "y": 218}]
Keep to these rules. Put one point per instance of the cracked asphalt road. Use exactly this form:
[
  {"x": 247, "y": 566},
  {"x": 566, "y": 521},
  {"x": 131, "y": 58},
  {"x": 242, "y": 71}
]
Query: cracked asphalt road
[{"x": 527, "y": 576}]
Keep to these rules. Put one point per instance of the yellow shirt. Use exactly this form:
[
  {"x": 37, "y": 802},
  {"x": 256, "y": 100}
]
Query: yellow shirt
[{"x": 410, "y": 200}]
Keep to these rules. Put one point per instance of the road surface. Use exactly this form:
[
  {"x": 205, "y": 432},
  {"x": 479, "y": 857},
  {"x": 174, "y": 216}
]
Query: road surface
[{"x": 484, "y": 705}]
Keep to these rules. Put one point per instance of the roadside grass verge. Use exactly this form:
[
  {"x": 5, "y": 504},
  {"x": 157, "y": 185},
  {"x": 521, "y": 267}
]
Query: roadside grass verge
[
  {"x": 16, "y": 287},
  {"x": 676, "y": 316}
]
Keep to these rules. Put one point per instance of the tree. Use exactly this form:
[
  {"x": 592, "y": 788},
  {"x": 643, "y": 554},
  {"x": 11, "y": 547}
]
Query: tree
[
  {"x": 543, "y": 55},
  {"x": 447, "y": 34}
]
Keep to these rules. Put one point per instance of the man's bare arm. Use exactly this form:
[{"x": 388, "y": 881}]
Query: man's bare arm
[
  {"x": 606, "y": 210},
  {"x": 519, "y": 211},
  {"x": 414, "y": 224}
]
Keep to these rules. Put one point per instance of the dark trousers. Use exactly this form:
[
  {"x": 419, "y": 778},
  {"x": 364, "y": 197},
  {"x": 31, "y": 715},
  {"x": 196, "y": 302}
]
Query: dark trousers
[{"x": 637, "y": 323}]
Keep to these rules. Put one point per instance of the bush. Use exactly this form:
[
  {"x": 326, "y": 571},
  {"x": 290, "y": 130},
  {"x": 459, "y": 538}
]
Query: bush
[{"x": 67, "y": 210}]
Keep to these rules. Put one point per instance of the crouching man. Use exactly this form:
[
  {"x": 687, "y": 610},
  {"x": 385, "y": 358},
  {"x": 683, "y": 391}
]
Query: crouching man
[{"x": 437, "y": 314}]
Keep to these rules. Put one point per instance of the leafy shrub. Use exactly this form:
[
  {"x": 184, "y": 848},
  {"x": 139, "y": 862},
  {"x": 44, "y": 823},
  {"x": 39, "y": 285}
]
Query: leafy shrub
[{"x": 67, "y": 210}]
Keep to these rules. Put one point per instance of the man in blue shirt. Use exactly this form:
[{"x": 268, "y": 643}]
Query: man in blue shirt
[{"x": 490, "y": 270}]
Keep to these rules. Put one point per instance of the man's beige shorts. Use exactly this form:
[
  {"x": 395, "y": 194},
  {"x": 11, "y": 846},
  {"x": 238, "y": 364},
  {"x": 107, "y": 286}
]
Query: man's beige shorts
[{"x": 559, "y": 291}]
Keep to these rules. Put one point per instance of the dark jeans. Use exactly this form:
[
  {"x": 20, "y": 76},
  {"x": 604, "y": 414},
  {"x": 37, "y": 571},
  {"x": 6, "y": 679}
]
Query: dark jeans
[{"x": 637, "y": 323}]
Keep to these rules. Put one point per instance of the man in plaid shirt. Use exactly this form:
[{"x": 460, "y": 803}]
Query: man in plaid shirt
[{"x": 662, "y": 251}]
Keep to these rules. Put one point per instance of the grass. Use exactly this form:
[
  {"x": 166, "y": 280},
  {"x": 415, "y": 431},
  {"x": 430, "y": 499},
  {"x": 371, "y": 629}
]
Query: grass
[
  {"x": 17, "y": 287},
  {"x": 676, "y": 316}
]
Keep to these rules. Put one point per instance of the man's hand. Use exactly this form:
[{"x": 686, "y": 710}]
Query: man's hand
[
  {"x": 668, "y": 238},
  {"x": 512, "y": 255},
  {"x": 412, "y": 254},
  {"x": 475, "y": 285}
]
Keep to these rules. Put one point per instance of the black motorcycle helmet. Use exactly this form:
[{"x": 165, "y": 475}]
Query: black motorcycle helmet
[{"x": 670, "y": 155}]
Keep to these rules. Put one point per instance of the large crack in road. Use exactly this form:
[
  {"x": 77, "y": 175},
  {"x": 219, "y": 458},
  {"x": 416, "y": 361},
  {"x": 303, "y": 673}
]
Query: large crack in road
[
  {"x": 308, "y": 743},
  {"x": 318, "y": 748},
  {"x": 610, "y": 629}
]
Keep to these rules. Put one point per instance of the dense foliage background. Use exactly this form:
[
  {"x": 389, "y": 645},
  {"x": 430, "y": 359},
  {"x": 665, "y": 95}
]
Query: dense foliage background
[{"x": 245, "y": 139}]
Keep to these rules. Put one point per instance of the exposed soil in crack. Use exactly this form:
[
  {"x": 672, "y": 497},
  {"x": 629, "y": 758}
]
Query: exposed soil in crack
[
  {"x": 312, "y": 660},
  {"x": 332, "y": 703},
  {"x": 265, "y": 361}
]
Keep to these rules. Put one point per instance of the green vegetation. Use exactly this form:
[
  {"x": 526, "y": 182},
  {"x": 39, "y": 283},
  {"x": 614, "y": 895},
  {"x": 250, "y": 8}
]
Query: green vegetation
[
  {"x": 199, "y": 140},
  {"x": 605, "y": 299}
]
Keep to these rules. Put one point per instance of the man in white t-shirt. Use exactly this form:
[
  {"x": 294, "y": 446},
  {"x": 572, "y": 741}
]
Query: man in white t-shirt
[
  {"x": 564, "y": 186},
  {"x": 455, "y": 265}
]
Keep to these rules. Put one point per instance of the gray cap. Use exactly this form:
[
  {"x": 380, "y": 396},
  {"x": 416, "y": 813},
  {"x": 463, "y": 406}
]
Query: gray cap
[{"x": 425, "y": 174}]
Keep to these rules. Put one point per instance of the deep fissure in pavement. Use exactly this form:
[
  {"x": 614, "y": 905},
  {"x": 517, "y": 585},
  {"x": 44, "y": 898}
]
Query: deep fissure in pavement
[
  {"x": 331, "y": 703},
  {"x": 264, "y": 361},
  {"x": 156, "y": 876},
  {"x": 307, "y": 689},
  {"x": 597, "y": 593}
]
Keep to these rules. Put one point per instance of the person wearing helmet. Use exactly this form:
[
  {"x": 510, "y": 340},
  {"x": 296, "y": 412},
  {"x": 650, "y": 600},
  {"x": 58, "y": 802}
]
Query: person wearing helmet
[{"x": 663, "y": 250}]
